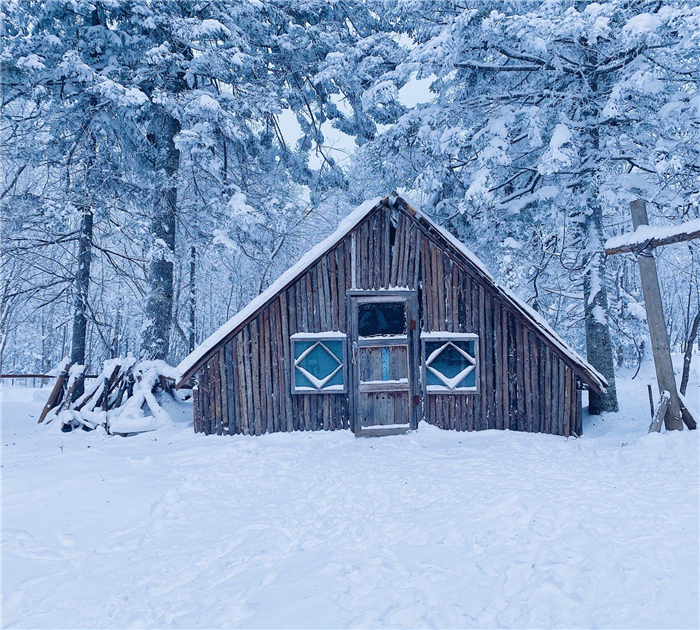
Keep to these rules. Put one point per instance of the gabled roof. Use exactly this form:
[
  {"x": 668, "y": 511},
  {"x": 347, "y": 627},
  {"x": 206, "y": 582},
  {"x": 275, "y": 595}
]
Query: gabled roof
[{"x": 202, "y": 353}]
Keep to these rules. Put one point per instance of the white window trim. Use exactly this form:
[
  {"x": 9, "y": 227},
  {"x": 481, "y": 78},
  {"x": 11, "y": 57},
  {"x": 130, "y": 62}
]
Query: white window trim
[
  {"x": 319, "y": 338},
  {"x": 441, "y": 335},
  {"x": 450, "y": 386},
  {"x": 332, "y": 335}
]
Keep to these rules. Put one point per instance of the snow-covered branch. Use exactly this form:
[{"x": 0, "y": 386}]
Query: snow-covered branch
[{"x": 650, "y": 236}]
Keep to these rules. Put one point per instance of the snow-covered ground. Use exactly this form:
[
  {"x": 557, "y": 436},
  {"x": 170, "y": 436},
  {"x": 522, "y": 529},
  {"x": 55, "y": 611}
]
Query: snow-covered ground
[{"x": 441, "y": 529}]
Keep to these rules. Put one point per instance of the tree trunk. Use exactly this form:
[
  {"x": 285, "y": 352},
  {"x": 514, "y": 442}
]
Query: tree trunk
[
  {"x": 688, "y": 356},
  {"x": 47, "y": 333},
  {"x": 116, "y": 332},
  {"x": 599, "y": 349},
  {"x": 159, "y": 308},
  {"x": 82, "y": 286},
  {"x": 7, "y": 307},
  {"x": 193, "y": 296}
]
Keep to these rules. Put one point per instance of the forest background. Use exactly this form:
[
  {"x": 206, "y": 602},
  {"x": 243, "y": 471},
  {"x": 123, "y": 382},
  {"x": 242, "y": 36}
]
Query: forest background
[{"x": 163, "y": 162}]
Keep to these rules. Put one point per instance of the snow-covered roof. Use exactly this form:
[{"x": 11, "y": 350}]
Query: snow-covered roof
[{"x": 191, "y": 362}]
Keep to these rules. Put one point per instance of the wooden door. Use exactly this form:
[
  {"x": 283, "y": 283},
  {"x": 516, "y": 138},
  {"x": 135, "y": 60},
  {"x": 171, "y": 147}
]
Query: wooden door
[{"x": 383, "y": 335}]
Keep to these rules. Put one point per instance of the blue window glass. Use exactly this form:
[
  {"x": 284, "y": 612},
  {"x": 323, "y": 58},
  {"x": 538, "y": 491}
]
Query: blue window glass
[
  {"x": 450, "y": 364},
  {"x": 318, "y": 364}
]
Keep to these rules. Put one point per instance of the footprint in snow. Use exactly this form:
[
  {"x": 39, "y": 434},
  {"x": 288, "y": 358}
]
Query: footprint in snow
[{"x": 66, "y": 540}]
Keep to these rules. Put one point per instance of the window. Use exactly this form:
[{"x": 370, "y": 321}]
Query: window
[
  {"x": 450, "y": 363},
  {"x": 319, "y": 364},
  {"x": 381, "y": 318}
]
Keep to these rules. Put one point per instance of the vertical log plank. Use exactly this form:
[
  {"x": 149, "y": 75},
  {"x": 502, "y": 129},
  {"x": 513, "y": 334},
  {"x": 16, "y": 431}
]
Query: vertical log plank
[
  {"x": 547, "y": 390},
  {"x": 195, "y": 408},
  {"x": 535, "y": 372},
  {"x": 223, "y": 385},
  {"x": 562, "y": 398},
  {"x": 498, "y": 350},
  {"x": 483, "y": 419},
  {"x": 489, "y": 361},
  {"x": 386, "y": 251},
  {"x": 342, "y": 311},
  {"x": 252, "y": 392},
  {"x": 512, "y": 373},
  {"x": 525, "y": 360},
  {"x": 505, "y": 381},
  {"x": 333, "y": 283},
  {"x": 425, "y": 293},
  {"x": 567, "y": 402}
]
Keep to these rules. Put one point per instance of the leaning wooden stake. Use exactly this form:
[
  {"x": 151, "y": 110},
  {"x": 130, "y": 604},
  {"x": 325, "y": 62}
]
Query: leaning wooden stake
[
  {"x": 657, "y": 325},
  {"x": 68, "y": 398},
  {"x": 658, "y": 418},
  {"x": 55, "y": 397}
]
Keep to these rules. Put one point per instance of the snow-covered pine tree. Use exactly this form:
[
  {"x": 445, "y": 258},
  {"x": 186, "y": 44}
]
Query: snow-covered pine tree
[{"x": 503, "y": 152}]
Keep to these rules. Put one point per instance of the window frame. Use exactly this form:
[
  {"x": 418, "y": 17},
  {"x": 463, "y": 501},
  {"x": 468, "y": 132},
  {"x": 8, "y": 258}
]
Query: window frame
[
  {"x": 319, "y": 337},
  {"x": 447, "y": 337}
]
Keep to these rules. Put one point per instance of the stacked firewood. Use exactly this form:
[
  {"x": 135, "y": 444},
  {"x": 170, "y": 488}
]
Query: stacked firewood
[{"x": 114, "y": 400}]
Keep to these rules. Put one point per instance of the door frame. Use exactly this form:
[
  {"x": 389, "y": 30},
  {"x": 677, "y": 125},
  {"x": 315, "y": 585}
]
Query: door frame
[{"x": 415, "y": 401}]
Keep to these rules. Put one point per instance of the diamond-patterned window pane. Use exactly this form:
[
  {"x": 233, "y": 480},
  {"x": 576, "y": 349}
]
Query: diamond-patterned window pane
[
  {"x": 336, "y": 347},
  {"x": 319, "y": 361},
  {"x": 450, "y": 364},
  {"x": 318, "y": 364},
  {"x": 450, "y": 361},
  {"x": 300, "y": 381}
]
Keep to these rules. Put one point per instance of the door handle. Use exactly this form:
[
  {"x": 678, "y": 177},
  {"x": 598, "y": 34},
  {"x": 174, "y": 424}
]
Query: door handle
[{"x": 354, "y": 352}]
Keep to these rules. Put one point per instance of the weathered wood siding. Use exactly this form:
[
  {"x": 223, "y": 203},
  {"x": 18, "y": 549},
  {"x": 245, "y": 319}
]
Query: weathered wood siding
[{"x": 524, "y": 383}]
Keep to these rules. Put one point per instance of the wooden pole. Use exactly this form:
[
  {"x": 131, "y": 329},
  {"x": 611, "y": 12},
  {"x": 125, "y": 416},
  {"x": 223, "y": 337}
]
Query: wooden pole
[{"x": 657, "y": 324}]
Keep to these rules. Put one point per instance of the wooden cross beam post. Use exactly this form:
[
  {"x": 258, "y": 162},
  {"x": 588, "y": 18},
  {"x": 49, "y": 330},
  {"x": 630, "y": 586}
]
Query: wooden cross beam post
[{"x": 661, "y": 349}]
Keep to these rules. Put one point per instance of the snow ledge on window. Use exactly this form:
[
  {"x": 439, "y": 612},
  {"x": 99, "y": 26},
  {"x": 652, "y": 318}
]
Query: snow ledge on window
[
  {"x": 330, "y": 334},
  {"x": 443, "y": 389},
  {"x": 303, "y": 389}
]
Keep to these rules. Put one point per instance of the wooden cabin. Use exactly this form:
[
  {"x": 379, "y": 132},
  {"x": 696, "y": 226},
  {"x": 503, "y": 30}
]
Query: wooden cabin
[{"x": 389, "y": 321}]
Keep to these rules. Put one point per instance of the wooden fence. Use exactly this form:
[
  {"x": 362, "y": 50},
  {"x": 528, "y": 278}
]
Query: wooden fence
[{"x": 44, "y": 379}]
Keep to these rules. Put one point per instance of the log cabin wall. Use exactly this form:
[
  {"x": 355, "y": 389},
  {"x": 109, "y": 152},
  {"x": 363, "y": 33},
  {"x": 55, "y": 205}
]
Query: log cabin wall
[{"x": 524, "y": 384}]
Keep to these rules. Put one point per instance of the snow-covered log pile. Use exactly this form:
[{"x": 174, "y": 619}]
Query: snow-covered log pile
[{"x": 123, "y": 399}]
